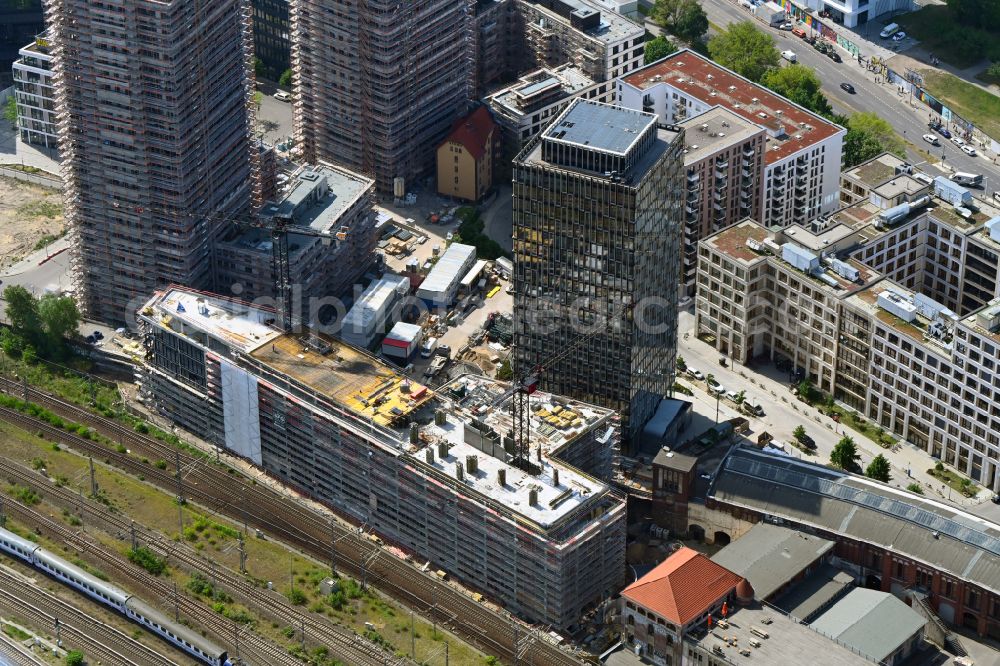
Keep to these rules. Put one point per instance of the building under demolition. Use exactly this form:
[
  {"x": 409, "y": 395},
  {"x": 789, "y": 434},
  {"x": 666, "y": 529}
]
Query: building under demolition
[{"x": 427, "y": 471}]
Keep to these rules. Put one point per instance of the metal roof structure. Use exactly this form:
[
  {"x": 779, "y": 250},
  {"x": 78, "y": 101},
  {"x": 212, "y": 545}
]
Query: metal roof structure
[
  {"x": 448, "y": 270},
  {"x": 939, "y": 535},
  {"x": 770, "y": 556},
  {"x": 873, "y": 623},
  {"x": 599, "y": 126}
]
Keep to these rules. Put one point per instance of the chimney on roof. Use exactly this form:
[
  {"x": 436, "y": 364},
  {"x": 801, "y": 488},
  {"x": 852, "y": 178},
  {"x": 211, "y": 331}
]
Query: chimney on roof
[
  {"x": 429, "y": 455},
  {"x": 502, "y": 477},
  {"x": 555, "y": 477},
  {"x": 532, "y": 497},
  {"x": 459, "y": 472}
]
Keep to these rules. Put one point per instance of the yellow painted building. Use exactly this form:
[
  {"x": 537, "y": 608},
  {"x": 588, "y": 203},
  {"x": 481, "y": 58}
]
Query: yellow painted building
[{"x": 465, "y": 158}]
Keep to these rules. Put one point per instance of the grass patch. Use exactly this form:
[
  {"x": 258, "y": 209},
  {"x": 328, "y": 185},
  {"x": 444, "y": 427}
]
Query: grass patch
[
  {"x": 969, "y": 101},
  {"x": 859, "y": 424},
  {"x": 953, "y": 479},
  {"x": 46, "y": 209},
  {"x": 15, "y": 633},
  {"x": 939, "y": 33},
  {"x": 47, "y": 240}
]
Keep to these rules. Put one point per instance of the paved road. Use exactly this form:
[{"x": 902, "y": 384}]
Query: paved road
[
  {"x": 783, "y": 413},
  {"x": 882, "y": 99}
]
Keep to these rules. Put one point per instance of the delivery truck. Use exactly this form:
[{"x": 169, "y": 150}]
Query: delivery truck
[{"x": 769, "y": 13}]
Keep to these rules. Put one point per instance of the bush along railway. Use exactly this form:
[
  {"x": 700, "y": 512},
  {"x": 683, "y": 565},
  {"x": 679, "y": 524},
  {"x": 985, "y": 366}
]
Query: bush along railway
[{"x": 229, "y": 492}]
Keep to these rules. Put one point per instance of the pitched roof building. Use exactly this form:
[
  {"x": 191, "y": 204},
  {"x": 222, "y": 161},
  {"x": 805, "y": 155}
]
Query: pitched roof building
[
  {"x": 465, "y": 158},
  {"x": 874, "y": 624}
]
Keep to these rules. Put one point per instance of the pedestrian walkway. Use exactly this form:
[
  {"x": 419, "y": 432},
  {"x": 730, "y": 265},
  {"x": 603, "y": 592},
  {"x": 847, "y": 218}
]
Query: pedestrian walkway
[{"x": 38, "y": 257}]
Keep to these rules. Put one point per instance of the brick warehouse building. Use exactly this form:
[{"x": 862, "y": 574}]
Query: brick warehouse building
[{"x": 916, "y": 548}]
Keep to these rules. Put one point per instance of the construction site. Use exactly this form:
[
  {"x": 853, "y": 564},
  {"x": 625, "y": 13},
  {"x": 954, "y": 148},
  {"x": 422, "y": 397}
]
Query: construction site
[
  {"x": 515, "y": 511},
  {"x": 149, "y": 183},
  {"x": 383, "y": 100}
]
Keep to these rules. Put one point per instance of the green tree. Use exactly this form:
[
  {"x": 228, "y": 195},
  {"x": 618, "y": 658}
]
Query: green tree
[
  {"x": 740, "y": 397},
  {"x": 505, "y": 373},
  {"x": 681, "y": 363},
  {"x": 868, "y": 136},
  {"x": 745, "y": 49},
  {"x": 799, "y": 84},
  {"x": 658, "y": 48},
  {"x": 74, "y": 658},
  {"x": 10, "y": 110},
  {"x": 845, "y": 455},
  {"x": 60, "y": 319},
  {"x": 285, "y": 81},
  {"x": 879, "y": 469},
  {"x": 684, "y": 18},
  {"x": 915, "y": 488},
  {"x": 806, "y": 390},
  {"x": 22, "y": 311},
  {"x": 799, "y": 433},
  {"x": 258, "y": 67}
]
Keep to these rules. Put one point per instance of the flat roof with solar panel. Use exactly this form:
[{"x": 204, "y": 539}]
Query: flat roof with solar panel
[
  {"x": 957, "y": 543},
  {"x": 599, "y": 126}
]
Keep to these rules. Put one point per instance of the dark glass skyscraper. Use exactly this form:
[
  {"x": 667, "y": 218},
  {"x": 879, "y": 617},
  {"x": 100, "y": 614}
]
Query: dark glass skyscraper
[{"x": 597, "y": 229}]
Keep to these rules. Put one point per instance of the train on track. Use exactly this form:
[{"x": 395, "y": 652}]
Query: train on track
[{"x": 114, "y": 597}]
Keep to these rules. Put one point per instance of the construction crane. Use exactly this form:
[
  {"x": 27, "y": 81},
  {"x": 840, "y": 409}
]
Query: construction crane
[
  {"x": 279, "y": 226},
  {"x": 520, "y": 393}
]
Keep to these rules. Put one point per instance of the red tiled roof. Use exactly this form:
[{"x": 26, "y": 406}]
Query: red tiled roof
[
  {"x": 473, "y": 132},
  {"x": 683, "y": 586},
  {"x": 730, "y": 90}
]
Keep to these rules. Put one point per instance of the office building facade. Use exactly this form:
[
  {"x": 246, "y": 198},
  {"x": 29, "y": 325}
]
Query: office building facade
[
  {"x": 19, "y": 23},
  {"x": 378, "y": 83},
  {"x": 272, "y": 43},
  {"x": 597, "y": 230},
  {"x": 155, "y": 119}
]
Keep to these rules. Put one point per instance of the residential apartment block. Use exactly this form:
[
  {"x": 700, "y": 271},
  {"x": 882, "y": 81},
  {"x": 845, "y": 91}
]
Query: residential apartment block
[
  {"x": 891, "y": 308},
  {"x": 427, "y": 472},
  {"x": 35, "y": 94},
  {"x": 155, "y": 122},
  {"x": 603, "y": 44},
  {"x": 378, "y": 83},
  {"x": 467, "y": 157},
  {"x": 802, "y": 154},
  {"x": 724, "y": 164},
  {"x": 597, "y": 230},
  {"x": 337, "y": 207},
  {"x": 530, "y": 105}
]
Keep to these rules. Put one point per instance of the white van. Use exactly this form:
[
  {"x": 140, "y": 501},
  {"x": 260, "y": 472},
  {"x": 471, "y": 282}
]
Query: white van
[
  {"x": 428, "y": 347},
  {"x": 789, "y": 55},
  {"x": 889, "y": 30}
]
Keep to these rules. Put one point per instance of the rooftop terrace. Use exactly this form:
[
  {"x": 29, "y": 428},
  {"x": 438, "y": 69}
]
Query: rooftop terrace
[
  {"x": 541, "y": 88},
  {"x": 611, "y": 28},
  {"x": 876, "y": 170},
  {"x": 792, "y": 128}
]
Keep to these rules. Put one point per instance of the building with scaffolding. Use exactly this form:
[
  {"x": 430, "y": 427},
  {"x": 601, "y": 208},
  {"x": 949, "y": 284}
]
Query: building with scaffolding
[
  {"x": 602, "y": 43},
  {"x": 384, "y": 98},
  {"x": 428, "y": 472},
  {"x": 154, "y": 100},
  {"x": 597, "y": 232},
  {"x": 35, "y": 94},
  {"x": 334, "y": 208}
]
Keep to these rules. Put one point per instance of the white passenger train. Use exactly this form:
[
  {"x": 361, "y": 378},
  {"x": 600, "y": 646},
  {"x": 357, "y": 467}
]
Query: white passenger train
[{"x": 131, "y": 606}]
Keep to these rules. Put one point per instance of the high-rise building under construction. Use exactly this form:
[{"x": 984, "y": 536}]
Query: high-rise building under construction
[
  {"x": 597, "y": 230},
  {"x": 378, "y": 83},
  {"x": 155, "y": 117}
]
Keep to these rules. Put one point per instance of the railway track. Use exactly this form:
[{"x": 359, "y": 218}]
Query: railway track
[
  {"x": 343, "y": 643},
  {"x": 99, "y": 641},
  {"x": 252, "y": 648},
  {"x": 17, "y": 654},
  {"x": 291, "y": 521}
]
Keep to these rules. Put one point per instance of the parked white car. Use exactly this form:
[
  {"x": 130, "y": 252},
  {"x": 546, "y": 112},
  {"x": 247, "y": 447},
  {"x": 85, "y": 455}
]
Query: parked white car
[
  {"x": 789, "y": 55},
  {"x": 283, "y": 96},
  {"x": 969, "y": 150},
  {"x": 957, "y": 141},
  {"x": 696, "y": 374},
  {"x": 931, "y": 139}
]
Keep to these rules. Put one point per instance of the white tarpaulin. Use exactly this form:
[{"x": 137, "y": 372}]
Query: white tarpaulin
[{"x": 240, "y": 415}]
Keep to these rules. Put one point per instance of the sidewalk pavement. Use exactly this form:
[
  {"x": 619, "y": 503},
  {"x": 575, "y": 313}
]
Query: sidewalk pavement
[{"x": 38, "y": 257}]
